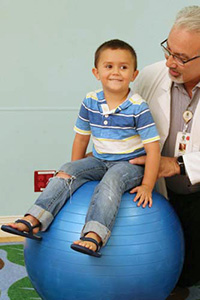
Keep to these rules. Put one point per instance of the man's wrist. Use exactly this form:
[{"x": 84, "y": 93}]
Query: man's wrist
[{"x": 181, "y": 164}]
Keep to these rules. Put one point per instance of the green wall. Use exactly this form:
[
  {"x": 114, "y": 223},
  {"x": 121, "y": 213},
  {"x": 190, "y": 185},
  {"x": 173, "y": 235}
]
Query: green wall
[{"x": 46, "y": 57}]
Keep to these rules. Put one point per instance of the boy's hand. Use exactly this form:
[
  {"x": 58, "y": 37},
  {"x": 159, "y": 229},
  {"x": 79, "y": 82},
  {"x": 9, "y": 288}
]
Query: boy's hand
[{"x": 144, "y": 195}]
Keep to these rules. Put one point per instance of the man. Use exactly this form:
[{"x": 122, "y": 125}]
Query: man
[{"x": 172, "y": 89}]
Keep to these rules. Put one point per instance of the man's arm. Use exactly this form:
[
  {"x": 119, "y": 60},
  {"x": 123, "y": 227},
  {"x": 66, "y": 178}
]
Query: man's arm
[
  {"x": 79, "y": 146},
  {"x": 149, "y": 84}
]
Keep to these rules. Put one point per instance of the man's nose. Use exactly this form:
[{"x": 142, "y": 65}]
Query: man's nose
[{"x": 170, "y": 62}]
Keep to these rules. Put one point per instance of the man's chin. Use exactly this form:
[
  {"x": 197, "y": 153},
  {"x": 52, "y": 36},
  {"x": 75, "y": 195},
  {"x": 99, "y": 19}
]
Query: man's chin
[{"x": 178, "y": 79}]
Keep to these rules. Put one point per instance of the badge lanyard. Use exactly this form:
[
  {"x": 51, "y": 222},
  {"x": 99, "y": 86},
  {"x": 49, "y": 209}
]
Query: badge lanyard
[
  {"x": 183, "y": 138},
  {"x": 187, "y": 117}
]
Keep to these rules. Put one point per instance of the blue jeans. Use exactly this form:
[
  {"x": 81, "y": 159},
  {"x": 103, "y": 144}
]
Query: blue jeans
[{"x": 115, "y": 178}]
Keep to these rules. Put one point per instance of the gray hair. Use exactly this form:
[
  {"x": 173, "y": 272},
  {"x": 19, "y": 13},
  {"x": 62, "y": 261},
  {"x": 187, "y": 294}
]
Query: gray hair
[{"x": 189, "y": 18}]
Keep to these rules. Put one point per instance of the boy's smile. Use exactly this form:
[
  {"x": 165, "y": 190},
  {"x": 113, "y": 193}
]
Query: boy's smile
[{"x": 115, "y": 70}]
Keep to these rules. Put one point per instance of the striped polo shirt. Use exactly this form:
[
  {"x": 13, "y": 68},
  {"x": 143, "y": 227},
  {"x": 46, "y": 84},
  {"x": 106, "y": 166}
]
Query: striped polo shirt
[{"x": 117, "y": 134}]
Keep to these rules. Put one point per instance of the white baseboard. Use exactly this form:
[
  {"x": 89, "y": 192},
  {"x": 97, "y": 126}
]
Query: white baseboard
[{"x": 5, "y": 220}]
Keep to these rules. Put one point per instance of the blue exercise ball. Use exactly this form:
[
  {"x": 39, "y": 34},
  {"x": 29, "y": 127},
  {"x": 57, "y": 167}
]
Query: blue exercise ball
[{"x": 141, "y": 261}]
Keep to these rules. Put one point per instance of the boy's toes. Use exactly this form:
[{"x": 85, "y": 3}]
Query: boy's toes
[
  {"x": 18, "y": 226},
  {"x": 88, "y": 245},
  {"x": 23, "y": 225}
]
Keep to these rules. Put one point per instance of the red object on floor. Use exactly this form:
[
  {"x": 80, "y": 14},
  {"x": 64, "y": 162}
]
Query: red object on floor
[{"x": 41, "y": 178}]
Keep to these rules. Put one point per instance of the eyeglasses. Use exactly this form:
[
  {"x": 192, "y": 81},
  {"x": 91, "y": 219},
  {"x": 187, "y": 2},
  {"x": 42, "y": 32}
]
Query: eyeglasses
[{"x": 177, "y": 59}]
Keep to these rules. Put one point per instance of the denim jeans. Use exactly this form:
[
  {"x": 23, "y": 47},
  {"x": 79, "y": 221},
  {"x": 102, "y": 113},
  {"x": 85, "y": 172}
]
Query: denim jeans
[{"x": 115, "y": 178}]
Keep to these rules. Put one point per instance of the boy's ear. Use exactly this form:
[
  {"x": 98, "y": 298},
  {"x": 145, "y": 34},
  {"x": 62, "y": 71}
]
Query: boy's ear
[
  {"x": 96, "y": 73},
  {"x": 135, "y": 74}
]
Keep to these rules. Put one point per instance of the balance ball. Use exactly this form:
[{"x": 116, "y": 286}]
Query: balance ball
[{"x": 141, "y": 261}]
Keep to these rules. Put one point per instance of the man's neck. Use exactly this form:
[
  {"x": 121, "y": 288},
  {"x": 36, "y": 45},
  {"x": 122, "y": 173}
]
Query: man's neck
[{"x": 189, "y": 87}]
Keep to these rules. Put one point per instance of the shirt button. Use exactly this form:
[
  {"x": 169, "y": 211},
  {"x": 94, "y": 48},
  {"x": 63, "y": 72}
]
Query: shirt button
[
  {"x": 106, "y": 116},
  {"x": 105, "y": 122}
]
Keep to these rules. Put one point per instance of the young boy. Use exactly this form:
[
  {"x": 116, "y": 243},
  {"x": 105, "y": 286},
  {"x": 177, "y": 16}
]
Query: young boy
[{"x": 122, "y": 128}]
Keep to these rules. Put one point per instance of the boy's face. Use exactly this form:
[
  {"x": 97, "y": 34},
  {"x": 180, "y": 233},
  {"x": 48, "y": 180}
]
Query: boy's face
[{"x": 115, "y": 70}]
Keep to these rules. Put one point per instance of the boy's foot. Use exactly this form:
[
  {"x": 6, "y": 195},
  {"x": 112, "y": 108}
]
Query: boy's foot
[
  {"x": 89, "y": 244},
  {"x": 26, "y": 227}
]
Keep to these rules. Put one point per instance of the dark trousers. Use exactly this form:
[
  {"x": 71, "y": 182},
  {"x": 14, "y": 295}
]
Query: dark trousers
[{"x": 187, "y": 208}]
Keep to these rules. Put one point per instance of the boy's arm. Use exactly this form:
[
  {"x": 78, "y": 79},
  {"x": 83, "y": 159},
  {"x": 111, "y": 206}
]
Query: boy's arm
[
  {"x": 144, "y": 191},
  {"x": 79, "y": 146},
  {"x": 152, "y": 164}
]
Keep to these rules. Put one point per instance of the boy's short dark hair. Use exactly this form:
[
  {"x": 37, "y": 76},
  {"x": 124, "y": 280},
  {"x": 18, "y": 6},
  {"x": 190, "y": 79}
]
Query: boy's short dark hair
[{"x": 114, "y": 44}]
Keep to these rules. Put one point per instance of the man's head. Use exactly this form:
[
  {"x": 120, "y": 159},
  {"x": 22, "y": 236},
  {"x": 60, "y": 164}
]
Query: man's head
[
  {"x": 184, "y": 43},
  {"x": 115, "y": 66},
  {"x": 188, "y": 18}
]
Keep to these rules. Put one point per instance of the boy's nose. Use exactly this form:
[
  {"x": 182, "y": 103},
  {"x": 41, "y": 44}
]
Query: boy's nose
[{"x": 115, "y": 70}]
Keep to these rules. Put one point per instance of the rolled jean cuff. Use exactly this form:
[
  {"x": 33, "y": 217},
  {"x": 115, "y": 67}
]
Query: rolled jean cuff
[
  {"x": 98, "y": 228},
  {"x": 44, "y": 216}
]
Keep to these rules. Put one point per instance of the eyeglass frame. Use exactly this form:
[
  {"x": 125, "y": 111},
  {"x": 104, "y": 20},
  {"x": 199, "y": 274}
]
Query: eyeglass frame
[{"x": 178, "y": 59}]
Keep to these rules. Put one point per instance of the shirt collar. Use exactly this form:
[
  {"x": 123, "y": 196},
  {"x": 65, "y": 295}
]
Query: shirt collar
[
  {"x": 181, "y": 87},
  {"x": 104, "y": 107}
]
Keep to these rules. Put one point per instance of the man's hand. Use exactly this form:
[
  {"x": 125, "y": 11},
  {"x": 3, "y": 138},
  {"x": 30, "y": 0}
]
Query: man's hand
[
  {"x": 138, "y": 160},
  {"x": 88, "y": 154},
  {"x": 168, "y": 165}
]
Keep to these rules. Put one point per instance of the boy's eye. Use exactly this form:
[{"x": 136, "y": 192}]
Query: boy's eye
[
  {"x": 123, "y": 67},
  {"x": 108, "y": 66}
]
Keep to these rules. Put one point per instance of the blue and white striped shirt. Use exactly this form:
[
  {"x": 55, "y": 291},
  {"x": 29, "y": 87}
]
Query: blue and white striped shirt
[{"x": 117, "y": 134}]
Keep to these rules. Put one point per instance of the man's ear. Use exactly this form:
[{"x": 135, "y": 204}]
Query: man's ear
[
  {"x": 96, "y": 73},
  {"x": 135, "y": 74}
]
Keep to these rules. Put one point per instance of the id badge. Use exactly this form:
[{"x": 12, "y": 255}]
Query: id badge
[{"x": 182, "y": 141}]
